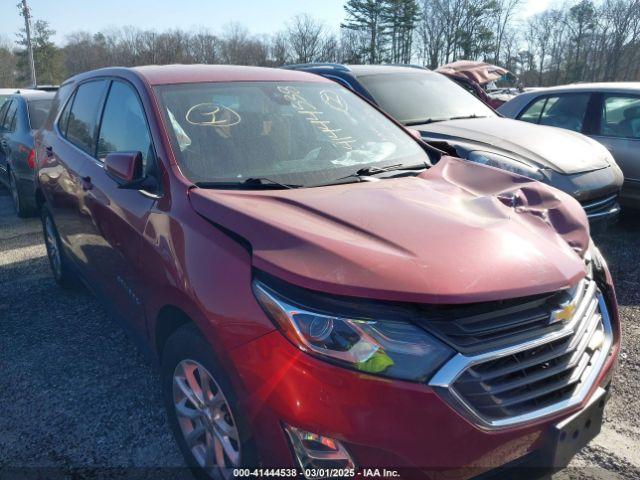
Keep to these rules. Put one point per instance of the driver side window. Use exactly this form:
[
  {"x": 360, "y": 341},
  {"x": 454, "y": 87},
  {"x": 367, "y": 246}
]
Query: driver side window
[
  {"x": 563, "y": 111},
  {"x": 124, "y": 125}
]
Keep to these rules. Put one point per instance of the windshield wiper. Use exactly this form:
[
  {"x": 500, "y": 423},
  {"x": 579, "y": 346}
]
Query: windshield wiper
[
  {"x": 413, "y": 123},
  {"x": 256, "y": 183},
  {"x": 466, "y": 117},
  {"x": 373, "y": 170}
]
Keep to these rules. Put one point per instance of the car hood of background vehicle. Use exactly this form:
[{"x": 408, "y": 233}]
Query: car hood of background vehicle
[
  {"x": 547, "y": 147},
  {"x": 457, "y": 233}
]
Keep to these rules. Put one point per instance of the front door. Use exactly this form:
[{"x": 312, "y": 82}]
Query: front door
[
  {"x": 67, "y": 147},
  {"x": 119, "y": 216},
  {"x": 619, "y": 131}
]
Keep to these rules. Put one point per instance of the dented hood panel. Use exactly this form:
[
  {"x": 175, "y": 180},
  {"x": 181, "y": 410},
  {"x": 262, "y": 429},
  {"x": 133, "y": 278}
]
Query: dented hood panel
[
  {"x": 457, "y": 233},
  {"x": 540, "y": 146}
]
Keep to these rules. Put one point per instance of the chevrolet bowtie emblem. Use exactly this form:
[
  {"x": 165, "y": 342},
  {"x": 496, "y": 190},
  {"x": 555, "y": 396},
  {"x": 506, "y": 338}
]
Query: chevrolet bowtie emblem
[{"x": 563, "y": 314}]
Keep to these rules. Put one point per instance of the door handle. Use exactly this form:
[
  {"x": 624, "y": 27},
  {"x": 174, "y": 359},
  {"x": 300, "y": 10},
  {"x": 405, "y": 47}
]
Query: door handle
[{"x": 86, "y": 183}]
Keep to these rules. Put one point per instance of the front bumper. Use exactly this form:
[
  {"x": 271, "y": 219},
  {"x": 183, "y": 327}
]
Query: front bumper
[
  {"x": 383, "y": 423},
  {"x": 597, "y": 191},
  {"x": 602, "y": 212}
]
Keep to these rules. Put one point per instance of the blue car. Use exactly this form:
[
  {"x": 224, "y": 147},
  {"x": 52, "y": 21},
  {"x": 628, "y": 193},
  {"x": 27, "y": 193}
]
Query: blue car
[{"x": 21, "y": 115}]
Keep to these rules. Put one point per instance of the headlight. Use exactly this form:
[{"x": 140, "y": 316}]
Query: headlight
[
  {"x": 390, "y": 348},
  {"x": 505, "y": 163}
]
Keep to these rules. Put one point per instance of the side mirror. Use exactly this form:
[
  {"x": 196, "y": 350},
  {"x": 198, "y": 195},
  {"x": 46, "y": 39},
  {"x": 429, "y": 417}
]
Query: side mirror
[{"x": 125, "y": 168}]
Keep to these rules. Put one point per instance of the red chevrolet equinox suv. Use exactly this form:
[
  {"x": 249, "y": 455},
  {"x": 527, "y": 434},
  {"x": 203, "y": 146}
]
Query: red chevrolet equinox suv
[{"x": 326, "y": 293}]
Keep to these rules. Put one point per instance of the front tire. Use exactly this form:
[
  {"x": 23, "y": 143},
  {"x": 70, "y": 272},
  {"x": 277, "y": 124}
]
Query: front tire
[
  {"x": 202, "y": 407},
  {"x": 58, "y": 262}
]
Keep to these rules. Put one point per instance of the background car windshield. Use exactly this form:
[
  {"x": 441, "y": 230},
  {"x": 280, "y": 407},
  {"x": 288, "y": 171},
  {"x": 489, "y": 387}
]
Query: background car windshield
[
  {"x": 298, "y": 133},
  {"x": 419, "y": 97}
]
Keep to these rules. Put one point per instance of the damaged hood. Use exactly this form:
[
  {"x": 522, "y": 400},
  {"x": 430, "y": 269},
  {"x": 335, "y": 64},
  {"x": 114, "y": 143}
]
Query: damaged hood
[
  {"x": 458, "y": 233},
  {"x": 539, "y": 146}
]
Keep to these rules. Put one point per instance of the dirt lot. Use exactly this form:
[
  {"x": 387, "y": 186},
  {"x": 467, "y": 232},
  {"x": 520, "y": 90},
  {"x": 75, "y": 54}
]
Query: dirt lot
[{"x": 77, "y": 397}]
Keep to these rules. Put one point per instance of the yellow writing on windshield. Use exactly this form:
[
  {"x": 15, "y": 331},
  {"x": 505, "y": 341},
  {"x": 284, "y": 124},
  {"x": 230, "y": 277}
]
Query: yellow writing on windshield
[{"x": 315, "y": 117}]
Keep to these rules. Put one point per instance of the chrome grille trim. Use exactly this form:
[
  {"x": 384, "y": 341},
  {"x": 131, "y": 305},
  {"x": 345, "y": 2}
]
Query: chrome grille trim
[
  {"x": 598, "y": 203},
  {"x": 584, "y": 320},
  {"x": 602, "y": 207}
]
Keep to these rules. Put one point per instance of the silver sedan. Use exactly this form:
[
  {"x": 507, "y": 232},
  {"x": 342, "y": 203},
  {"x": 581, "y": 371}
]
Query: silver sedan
[{"x": 607, "y": 112}]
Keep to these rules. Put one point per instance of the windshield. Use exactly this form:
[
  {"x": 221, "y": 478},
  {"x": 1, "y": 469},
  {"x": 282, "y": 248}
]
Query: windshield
[
  {"x": 294, "y": 133},
  {"x": 422, "y": 97},
  {"x": 38, "y": 112}
]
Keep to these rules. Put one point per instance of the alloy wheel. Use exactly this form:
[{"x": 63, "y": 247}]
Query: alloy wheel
[
  {"x": 205, "y": 419},
  {"x": 53, "y": 249}
]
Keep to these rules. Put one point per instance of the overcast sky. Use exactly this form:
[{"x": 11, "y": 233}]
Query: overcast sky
[{"x": 259, "y": 16}]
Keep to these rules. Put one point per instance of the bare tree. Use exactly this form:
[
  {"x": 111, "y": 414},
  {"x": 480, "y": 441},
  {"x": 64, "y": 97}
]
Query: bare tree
[
  {"x": 306, "y": 37},
  {"x": 504, "y": 17},
  {"x": 280, "y": 51}
]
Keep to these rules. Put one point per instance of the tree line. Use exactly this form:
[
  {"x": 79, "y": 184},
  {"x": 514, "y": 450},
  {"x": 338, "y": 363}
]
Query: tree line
[{"x": 581, "y": 40}]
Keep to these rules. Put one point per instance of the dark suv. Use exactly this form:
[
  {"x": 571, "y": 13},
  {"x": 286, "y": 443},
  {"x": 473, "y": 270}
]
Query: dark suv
[
  {"x": 450, "y": 117},
  {"x": 21, "y": 114}
]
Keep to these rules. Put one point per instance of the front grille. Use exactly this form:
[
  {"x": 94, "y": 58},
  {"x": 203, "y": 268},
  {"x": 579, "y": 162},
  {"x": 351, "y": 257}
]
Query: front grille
[
  {"x": 536, "y": 377},
  {"x": 493, "y": 325},
  {"x": 600, "y": 206}
]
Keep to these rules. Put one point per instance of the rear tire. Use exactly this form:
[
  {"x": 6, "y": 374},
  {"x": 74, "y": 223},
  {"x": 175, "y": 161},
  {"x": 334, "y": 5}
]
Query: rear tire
[
  {"x": 220, "y": 413},
  {"x": 19, "y": 204},
  {"x": 58, "y": 261}
]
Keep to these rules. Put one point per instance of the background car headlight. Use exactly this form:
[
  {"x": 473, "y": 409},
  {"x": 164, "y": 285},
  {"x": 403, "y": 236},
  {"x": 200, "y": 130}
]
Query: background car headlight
[
  {"x": 390, "y": 348},
  {"x": 505, "y": 163}
]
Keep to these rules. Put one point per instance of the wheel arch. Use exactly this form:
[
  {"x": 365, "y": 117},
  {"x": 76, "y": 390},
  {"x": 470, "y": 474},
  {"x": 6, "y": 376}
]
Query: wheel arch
[{"x": 169, "y": 319}]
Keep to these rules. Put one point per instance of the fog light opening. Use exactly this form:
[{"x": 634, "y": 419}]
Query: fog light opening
[{"x": 317, "y": 452}]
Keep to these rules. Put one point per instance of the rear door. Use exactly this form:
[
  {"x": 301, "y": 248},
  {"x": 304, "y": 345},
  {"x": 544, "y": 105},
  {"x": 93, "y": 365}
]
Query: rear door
[
  {"x": 118, "y": 216},
  {"x": 618, "y": 128},
  {"x": 67, "y": 148}
]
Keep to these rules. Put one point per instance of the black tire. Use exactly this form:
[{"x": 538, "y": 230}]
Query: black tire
[
  {"x": 187, "y": 343},
  {"x": 19, "y": 204},
  {"x": 62, "y": 274}
]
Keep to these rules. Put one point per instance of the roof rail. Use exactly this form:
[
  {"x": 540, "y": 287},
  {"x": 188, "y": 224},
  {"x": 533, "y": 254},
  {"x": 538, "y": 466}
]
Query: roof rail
[{"x": 300, "y": 66}]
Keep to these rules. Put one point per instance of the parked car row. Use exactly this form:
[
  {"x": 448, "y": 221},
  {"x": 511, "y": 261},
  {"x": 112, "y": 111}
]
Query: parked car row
[{"x": 326, "y": 289}]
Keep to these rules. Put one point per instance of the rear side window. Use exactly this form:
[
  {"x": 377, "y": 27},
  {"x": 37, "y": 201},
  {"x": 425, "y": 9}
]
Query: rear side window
[
  {"x": 124, "y": 125},
  {"x": 9, "y": 118},
  {"x": 38, "y": 112},
  {"x": 83, "y": 116},
  {"x": 4, "y": 99},
  {"x": 620, "y": 116},
  {"x": 63, "y": 121}
]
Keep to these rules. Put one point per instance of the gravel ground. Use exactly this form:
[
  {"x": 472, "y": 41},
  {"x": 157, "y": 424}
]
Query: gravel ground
[{"x": 78, "y": 399}]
